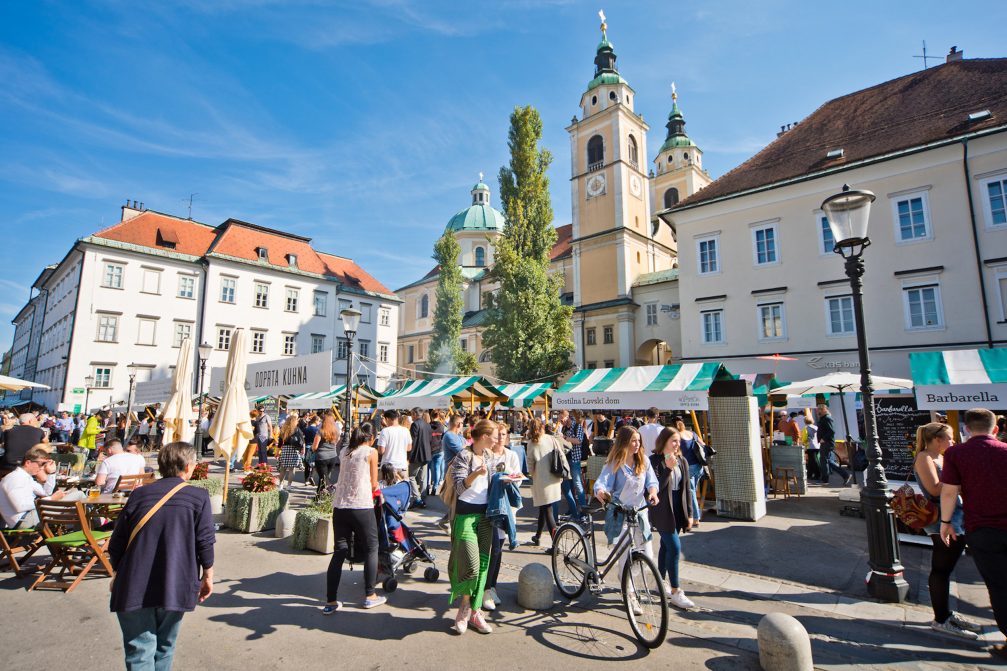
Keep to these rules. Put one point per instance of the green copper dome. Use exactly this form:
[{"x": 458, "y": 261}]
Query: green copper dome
[
  {"x": 676, "y": 129},
  {"x": 479, "y": 216}
]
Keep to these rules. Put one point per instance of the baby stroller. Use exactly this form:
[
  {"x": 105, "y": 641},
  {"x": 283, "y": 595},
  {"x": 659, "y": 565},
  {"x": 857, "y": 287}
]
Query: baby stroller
[{"x": 398, "y": 548}]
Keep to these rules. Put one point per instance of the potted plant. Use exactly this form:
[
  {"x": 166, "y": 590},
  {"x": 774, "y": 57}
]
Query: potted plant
[
  {"x": 256, "y": 505},
  {"x": 313, "y": 525},
  {"x": 213, "y": 486}
]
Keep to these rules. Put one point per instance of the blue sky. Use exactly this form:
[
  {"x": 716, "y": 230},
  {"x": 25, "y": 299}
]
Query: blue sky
[{"x": 363, "y": 124}]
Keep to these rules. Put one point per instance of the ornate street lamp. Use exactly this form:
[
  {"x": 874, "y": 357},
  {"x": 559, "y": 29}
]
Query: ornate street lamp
[
  {"x": 848, "y": 213},
  {"x": 204, "y": 354},
  {"x": 351, "y": 320},
  {"x": 88, "y": 381},
  {"x": 132, "y": 370}
]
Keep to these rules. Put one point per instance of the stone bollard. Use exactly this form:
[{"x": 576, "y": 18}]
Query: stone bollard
[
  {"x": 535, "y": 587},
  {"x": 783, "y": 644},
  {"x": 285, "y": 523}
]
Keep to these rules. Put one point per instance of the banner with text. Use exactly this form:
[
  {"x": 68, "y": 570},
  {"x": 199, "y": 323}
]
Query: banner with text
[
  {"x": 151, "y": 392},
  {"x": 282, "y": 377},
  {"x": 632, "y": 400},
  {"x": 961, "y": 396}
]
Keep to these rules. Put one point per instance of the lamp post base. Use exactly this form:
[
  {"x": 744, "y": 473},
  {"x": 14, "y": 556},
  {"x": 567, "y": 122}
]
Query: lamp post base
[{"x": 886, "y": 581}]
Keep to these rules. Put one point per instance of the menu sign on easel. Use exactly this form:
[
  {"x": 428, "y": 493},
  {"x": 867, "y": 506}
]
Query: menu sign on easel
[{"x": 897, "y": 418}]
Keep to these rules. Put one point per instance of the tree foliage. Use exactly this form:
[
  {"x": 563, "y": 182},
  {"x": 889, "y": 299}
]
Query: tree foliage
[
  {"x": 528, "y": 329},
  {"x": 446, "y": 355}
]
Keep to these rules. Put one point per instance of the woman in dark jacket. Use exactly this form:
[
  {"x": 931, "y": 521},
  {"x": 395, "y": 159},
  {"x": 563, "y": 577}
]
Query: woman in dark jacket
[{"x": 674, "y": 512}]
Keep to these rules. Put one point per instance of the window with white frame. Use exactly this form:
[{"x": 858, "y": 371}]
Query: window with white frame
[
  {"x": 102, "y": 377},
  {"x": 651, "y": 314},
  {"x": 224, "y": 337},
  {"x": 258, "y": 342},
  {"x": 292, "y": 296},
  {"x": 385, "y": 316},
  {"x": 343, "y": 348},
  {"x": 772, "y": 325},
  {"x": 591, "y": 365},
  {"x": 227, "y": 285},
  {"x": 366, "y": 311},
  {"x": 182, "y": 331},
  {"x": 764, "y": 245},
  {"x": 145, "y": 331},
  {"x": 996, "y": 200},
  {"x": 108, "y": 327},
  {"x": 317, "y": 343},
  {"x": 289, "y": 344},
  {"x": 261, "y": 295},
  {"x": 151, "y": 281},
  {"x": 465, "y": 344},
  {"x": 383, "y": 352},
  {"x": 321, "y": 303},
  {"x": 839, "y": 315},
  {"x": 609, "y": 363},
  {"x": 364, "y": 348},
  {"x": 607, "y": 335},
  {"x": 592, "y": 336},
  {"x": 186, "y": 286},
  {"x": 912, "y": 220},
  {"x": 345, "y": 304},
  {"x": 708, "y": 253},
  {"x": 411, "y": 354},
  {"x": 826, "y": 240},
  {"x": 112, "y": 277},
  {"x": 424, "y": 307},
  {"x": 923, "y": 307},
  {"x": 713, "y": 326}
]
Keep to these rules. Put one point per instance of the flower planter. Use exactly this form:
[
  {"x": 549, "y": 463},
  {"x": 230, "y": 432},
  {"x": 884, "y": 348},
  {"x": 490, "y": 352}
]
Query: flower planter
[
  {"x": 249, "y": 512},
  {"x": 215, "y": 487},
  {"x": 312, "y": 531},
  {"x": 321, "y": 540}
]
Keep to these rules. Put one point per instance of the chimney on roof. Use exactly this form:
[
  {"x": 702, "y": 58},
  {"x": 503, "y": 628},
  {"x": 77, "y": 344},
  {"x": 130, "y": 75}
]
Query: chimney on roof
[
  {"x": 130, "y": 210},
  {"x": 954, "y": 55}
]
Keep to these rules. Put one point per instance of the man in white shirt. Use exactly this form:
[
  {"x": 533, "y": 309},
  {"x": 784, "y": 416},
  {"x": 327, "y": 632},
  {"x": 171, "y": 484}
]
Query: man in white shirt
[
  {"x": 35, "y": 478},
  {"x": 650, "y": 431},
  {"x": 394, "y": 443},
  {"x": 117, "y": 463}
]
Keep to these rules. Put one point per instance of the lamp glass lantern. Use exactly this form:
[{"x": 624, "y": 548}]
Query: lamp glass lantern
[
  {"x": 351, "y": 320},
  {"x": 89, "y": 381},
  {"x": 204, "y": 351},
  {"x": 132, "y": 369},
  {"x": 848, "y": 213}
]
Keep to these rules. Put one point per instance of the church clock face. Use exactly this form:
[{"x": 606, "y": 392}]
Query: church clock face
[
  {"x": 595, "y": 185},
  {"x": 635, "y": 187}
]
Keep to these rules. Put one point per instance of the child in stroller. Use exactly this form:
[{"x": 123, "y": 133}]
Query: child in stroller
[{"x": 398, "y": 548}]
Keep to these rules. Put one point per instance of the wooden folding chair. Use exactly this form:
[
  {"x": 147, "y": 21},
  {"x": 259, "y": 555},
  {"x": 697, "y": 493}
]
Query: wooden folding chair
[
  {"x": 127, "y": 483},
  {"x": 74, "y": 547},
  {"x": 16, "y": 541}
]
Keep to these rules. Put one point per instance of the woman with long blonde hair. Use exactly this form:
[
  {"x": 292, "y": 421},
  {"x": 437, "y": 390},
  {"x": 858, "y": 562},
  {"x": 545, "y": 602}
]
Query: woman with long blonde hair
[
  {"x": 291, "y": 449},
  {"x": 628, "y": 478}
]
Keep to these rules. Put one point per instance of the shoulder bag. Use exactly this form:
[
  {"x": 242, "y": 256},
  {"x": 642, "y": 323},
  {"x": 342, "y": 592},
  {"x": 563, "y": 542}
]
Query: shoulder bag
[
  {"x": 913, "y": 509},
  {"x": 558, "y": 464}
]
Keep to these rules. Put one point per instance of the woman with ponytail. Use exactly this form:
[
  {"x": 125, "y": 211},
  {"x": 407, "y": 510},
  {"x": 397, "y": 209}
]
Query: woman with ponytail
[
  {"x": 353, "y": 515},
  {"x": 932, "y": 440}
]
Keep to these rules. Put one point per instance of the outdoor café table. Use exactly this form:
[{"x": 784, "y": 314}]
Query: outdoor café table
[{"x": 106, "y": 505}]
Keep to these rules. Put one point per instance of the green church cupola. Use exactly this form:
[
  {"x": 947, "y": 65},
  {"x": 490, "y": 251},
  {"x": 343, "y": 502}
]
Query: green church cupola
[
  {"x": 480, "y": 193},
  {"x": 604, "y": 61},
  {"x": 676, "y": 126}
]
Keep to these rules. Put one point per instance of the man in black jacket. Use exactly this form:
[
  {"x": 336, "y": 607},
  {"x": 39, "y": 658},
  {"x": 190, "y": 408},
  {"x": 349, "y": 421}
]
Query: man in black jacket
[
  {"x": 827, "y": 443},
  {"x": 419, "y": 456}
]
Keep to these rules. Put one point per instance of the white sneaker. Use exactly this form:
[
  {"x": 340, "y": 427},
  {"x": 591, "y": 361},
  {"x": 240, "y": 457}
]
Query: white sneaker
[
  {"x": 952, "y": 628},
  {"x": 680, "y": 600},
  {"x": 965, "y": 623},
  {"x": 634, "y": 605},
  {"x": 490, "y": 599}
]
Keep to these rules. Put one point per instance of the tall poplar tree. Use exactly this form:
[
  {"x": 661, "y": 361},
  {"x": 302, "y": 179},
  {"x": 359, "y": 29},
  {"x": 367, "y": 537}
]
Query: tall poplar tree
[
  {"x": 528, "y": 328},
  {"x": 446, "y": 355}
]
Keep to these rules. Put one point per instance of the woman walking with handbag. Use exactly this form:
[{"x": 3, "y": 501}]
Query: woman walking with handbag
[
  {"x": 695, "y": 455},
  {"x": 932, "y": 440},
  {"x": 673, "y": 513},
  {"x": 546, "y": 486}
]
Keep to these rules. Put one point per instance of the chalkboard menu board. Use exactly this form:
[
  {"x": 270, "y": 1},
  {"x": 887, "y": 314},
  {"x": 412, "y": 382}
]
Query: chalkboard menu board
[{"x": 897, "y": 419}]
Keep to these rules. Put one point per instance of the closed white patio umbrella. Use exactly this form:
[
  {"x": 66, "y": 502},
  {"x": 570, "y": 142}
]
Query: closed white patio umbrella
[
  {"x": 231, "y": 428},
  {"x": 8, "y": 383},
  {"x": 177, "y": 411}
]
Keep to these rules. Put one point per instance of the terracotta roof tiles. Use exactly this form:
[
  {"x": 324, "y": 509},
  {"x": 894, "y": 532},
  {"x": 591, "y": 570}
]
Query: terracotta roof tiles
[{"x": 153, "y": 229}]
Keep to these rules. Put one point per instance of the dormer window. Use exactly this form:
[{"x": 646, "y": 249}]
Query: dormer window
[
  {"x": 263, "y": 254},
  {"x": 167, "y": 238},
  {"x": 291, "y": 260}
]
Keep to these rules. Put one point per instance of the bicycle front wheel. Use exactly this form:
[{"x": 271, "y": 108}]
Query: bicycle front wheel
[
  {"x": 569, "y": 555},
  {"x": 645, "y": 600}
]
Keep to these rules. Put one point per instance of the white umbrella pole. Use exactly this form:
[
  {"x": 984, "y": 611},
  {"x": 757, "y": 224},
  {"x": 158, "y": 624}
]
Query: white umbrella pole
[{"x": 227, "y": 477}]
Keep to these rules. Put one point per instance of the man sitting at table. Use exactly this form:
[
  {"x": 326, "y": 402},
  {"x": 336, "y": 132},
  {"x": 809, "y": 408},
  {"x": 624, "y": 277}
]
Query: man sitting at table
[
  {"x": 35, "y": 478},
  {"x": 118, "y": 462}
]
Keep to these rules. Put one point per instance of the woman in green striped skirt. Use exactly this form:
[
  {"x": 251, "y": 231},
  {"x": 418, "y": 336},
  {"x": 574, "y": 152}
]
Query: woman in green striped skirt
[{"x": 471, "y": 532}]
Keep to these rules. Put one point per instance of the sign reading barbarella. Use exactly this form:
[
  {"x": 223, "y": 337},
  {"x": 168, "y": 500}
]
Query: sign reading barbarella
[{"x": 282, "y": 377}]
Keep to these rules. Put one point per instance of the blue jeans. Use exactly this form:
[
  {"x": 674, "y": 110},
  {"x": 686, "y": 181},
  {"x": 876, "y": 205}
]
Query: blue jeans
[
  {"x": 573, "y": 489},
  {"x": 695, "y": 473},
  {"x": 148, "y": 636},
  {"x": 667, "y": 560},
  {"x": 435, "y": 471}
]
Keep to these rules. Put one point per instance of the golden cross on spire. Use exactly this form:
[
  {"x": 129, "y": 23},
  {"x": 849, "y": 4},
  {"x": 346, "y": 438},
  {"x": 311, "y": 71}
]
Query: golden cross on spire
[
  {"x": 604, "y": 26},
  {"x": 480, "y": 176},
  {"x": 674, "y": 93}
]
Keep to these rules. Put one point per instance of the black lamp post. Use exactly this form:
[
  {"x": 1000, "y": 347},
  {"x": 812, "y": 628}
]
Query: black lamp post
[
  {"x": 132, "y": 369},
  {"x": 204, "y": 353},
  {"x": 88, "y": 381},
  {"x": 848, "y": 213},
  {"x": 351, "y": 320}
]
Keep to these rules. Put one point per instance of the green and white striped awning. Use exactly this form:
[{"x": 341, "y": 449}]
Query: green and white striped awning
[
  {"x": 317, "y": 400},
  {"x": 440, "y": 392},
  {"x": 683, "y": 386},
  {"x": 524, "y": 395},
  {"x": 960, "y": 379}
]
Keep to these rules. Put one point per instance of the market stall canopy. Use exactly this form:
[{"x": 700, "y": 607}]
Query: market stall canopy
[
  {"x": 439, "y": 393},
  {"x": 317, "y": 400},
  {"x": 525, "y": 395},
  {"x": 960, "y": 379},
  {"x": 682, "y": 386},
  {"x": 14, "y": 384},
  {"x": 842, "y": 382}
]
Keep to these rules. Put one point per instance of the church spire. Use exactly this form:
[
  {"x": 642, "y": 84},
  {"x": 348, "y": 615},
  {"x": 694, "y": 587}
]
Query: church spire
[
  {"x": 604, "y": 60},
  {"x": 676, "y": 122}
]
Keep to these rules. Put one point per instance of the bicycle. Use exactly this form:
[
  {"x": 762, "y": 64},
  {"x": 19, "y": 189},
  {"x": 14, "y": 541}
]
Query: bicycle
[{"x": 575, "y": 566}]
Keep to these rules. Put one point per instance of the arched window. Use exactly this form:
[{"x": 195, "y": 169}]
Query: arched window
[
  {"x": 595, "y": 151},
  {"x": 670, "y": 197},
  {"x": 634, "y": 152},
  {"x": 424, "y": 306},
  {"x": 480, "y": 257}
]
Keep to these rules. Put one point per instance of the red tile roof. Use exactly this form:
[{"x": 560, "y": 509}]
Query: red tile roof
[
  {"x": 911, "y": 111},
  {"x": 192, "y": 237},
  {"x": 561, "y": 250},
  {"x": 351, "y": 274}
]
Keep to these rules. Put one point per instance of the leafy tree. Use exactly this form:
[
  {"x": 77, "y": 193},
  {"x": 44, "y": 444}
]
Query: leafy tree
[
  {"x": 446, "y": 355},
  {"x": 528, "y": 328}
]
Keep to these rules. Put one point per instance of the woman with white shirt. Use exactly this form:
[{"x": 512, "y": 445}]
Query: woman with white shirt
[
  {"x": 471, "y": 532},
  {"x": 503, "y": 460},
  {"x": 628, "y": 478}
]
